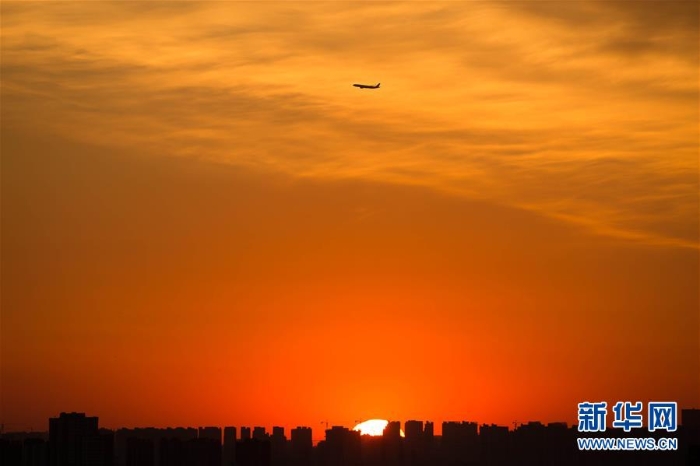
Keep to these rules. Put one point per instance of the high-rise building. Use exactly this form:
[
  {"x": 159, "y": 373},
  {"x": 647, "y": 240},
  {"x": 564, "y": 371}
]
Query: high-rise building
[
  {"x": 459, "y": 441},
  {"x": 172, "y": 451},
  {"x": 301, "y": 446},
  {"x": 34, "y": 452},
  {"x": 414, "y": 451},
  {"x": 690, "y": 418},
  {"x": 74, "y": 440},
  {"x": 342, "y": 446},
  {"x": 229, "y": 452},
  {"x": 429, "y": 431},
  {"x": 278, "y": 432},
  {"x": 253, "y": 452},
  {"x": 302, "y": 438},
  {"x": 140, "y": 452},
  {"x": 414, "y": 430},
  {"x": 392, "y": 430},
  {"x": 213, "y": 433},
  {"x": 203, "y": 451},
  {"x": 278, "y": 446},
  {"x": 259, "y": 433}
]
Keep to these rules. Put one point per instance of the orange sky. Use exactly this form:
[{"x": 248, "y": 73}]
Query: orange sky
[{"x": 204, "y": 223}]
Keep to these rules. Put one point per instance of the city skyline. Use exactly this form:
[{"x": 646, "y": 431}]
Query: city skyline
[
  {"x": 203, "y": 220},
  {"x": 320, "y": 428},
  {"x": 253, "y": 430},
  {"x": 75, "y": 439}
]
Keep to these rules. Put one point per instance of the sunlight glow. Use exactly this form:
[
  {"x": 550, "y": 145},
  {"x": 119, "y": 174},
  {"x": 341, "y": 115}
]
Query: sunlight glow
[{"x": 373, "y": 427}]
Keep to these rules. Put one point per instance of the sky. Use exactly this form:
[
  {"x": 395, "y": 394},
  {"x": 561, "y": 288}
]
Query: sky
[{"x": 204, "y": 223}]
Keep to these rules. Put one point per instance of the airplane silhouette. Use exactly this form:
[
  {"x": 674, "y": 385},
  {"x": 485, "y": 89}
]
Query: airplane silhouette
[{"x": 366, "y": 86}]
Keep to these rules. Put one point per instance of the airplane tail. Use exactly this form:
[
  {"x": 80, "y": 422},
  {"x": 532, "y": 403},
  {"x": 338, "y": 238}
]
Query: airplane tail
[{"x": 378, "y": 84}]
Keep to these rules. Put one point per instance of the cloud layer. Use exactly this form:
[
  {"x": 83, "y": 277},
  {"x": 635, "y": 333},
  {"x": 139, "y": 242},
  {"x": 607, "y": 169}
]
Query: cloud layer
[{"x": 583, "y": 111}]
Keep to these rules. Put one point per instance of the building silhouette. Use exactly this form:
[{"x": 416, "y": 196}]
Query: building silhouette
[
  {"x": 278, "y": 446},
  {"x": 301, "y": 448},
  {"x": 414, "y": 444},
  {"x": 74, "y": 439},
  {"x": 229, "y": 451},
  {"x": 459, "y": 442},
  {"x": 140, "y": 452},
  {"x": 341, "y": 447},
  {"x": 494, "y": 445},
  {"x": 213, "y": 433},
  {"x": 253, "y": 452},
  {"x": 260, "y": 433},
  {"x": 392, "y": 448}
]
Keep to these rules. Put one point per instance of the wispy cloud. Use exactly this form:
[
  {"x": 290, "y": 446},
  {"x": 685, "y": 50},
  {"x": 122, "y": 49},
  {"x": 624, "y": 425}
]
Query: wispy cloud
[{"x": 583, "y": 111}]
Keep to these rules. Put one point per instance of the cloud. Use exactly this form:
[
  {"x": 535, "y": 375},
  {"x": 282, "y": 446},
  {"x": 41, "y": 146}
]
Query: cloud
[{"x": 582, "y": 111}]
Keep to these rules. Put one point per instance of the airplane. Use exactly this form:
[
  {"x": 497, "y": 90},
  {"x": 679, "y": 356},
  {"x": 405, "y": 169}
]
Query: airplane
[{"x": 366, "y": 86}]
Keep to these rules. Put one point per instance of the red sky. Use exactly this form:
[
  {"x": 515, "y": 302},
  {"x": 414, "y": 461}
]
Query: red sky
[{"x": 203, "y": 223}]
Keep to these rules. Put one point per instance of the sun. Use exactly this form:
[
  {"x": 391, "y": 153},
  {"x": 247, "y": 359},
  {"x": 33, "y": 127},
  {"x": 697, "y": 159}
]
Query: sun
[{"x": 373, "y": 427}]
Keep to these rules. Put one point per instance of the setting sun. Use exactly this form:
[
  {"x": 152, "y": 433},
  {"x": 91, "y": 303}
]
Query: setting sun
[{"x": 373, "y": 427}]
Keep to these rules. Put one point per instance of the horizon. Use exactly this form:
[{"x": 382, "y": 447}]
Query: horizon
[
  {"x": 75, "y": 435},
  {"x": 437, "y": 425}
]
